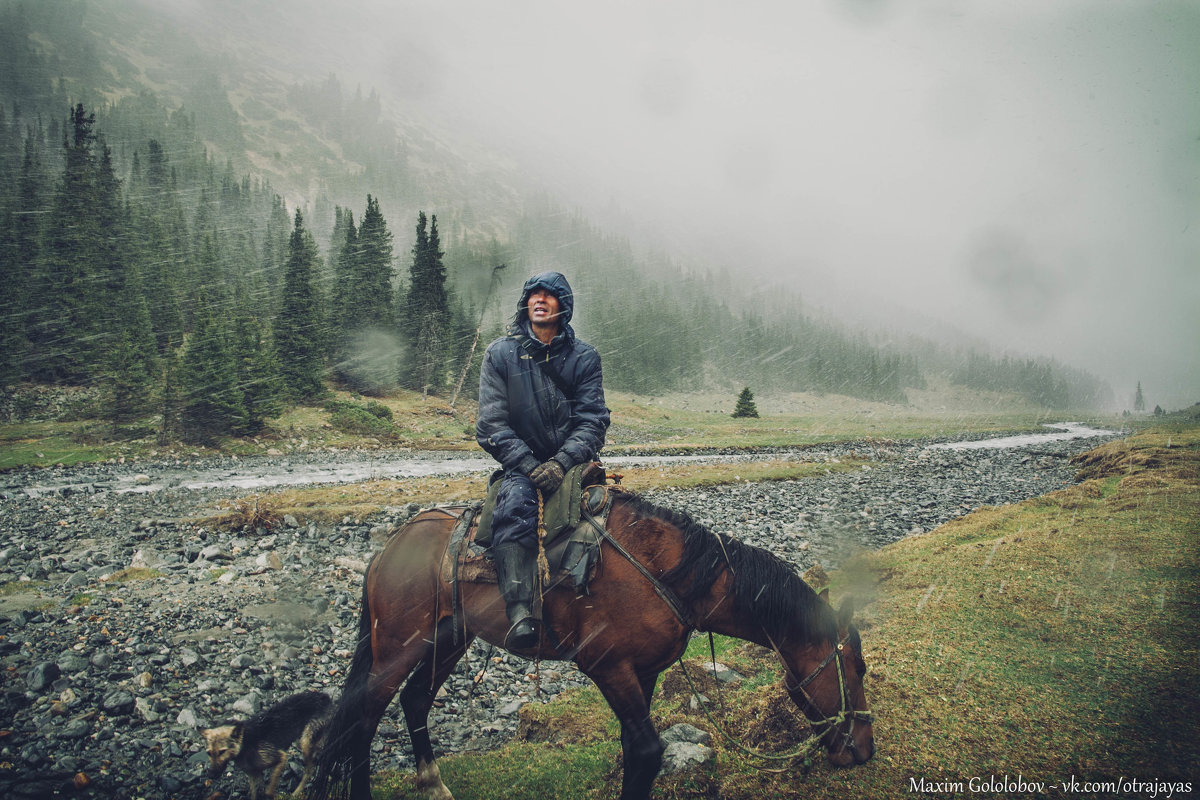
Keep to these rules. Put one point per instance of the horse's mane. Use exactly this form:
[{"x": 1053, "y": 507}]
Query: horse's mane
[{"x": 764, "y": 586}]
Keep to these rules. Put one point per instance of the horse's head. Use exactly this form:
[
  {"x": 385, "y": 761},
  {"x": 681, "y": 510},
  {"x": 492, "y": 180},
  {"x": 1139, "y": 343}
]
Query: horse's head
[{"x": 828, "y": 688}]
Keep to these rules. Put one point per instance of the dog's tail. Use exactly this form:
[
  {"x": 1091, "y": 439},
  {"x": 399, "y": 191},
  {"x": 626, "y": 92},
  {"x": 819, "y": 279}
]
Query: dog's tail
[{"x": 344, "y": 763}]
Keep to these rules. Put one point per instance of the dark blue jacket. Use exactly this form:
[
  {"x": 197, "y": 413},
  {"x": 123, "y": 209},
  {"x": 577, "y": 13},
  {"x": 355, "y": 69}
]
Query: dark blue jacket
[{"x": 524, "y": 418}]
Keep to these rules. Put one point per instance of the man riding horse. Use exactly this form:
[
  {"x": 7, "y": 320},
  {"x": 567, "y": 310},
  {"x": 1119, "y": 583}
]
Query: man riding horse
[{"x": 541, "y": 412}]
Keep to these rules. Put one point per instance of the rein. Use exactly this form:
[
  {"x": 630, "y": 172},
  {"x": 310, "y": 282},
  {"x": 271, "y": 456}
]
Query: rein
[
  {"x": 821, "y": 726},
  {"x": 662, "y": 590}
]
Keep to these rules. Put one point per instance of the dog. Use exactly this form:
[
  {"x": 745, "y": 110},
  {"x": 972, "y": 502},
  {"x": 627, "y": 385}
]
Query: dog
[{"x": 261, "y": 742}]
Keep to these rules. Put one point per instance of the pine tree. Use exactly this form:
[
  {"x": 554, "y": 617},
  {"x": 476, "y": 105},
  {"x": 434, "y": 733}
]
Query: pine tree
[
  {"x": 257, "y": 375},
  {"x": 427, "y": 319},
  {"x": 745, "y": 404},
  {"x": 126, "y": 382},
  {"x": 298, "y": 327},
  {"x": 61, "y": 295},
  {"x": 1139, "y": 402},
  {"x": 343, "y": 256},
  {"x": 373, "y": 268},
  {"x": 18, "y": 261},
  {"x": 111, "y": 250},
  {"x": 170, "y": 399},
  {"x": 212, "y": 400}
]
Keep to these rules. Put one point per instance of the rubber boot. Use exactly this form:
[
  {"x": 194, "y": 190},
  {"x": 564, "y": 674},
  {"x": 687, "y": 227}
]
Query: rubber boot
[{"x": 516, "y": 572}]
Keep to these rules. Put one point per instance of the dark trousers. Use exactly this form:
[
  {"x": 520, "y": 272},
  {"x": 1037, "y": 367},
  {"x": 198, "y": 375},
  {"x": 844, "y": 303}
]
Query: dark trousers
[{"x": 515, "y": 517}]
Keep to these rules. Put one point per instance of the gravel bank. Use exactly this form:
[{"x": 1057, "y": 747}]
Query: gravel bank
[{"x": 107, "y": 682}]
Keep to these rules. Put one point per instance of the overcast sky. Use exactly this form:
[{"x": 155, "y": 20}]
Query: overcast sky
[{"x": 1026, "y": 171}]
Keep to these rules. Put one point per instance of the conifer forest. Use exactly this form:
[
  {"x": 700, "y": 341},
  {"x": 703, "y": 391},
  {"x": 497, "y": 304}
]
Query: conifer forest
[{"x": 144, "y": 252}]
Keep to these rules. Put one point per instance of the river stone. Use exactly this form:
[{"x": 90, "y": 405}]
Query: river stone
[
  {"x": 681, "y": 756},
  {"x": 70, "y": 663},
  {"x": 721, "y": 672},
  {"x": 248, "y": 705},
  {"x": 74, "y": 729},
  {"x": 145, "y": 709},
  {"x": 214, "y": 552},
  {"x": 118, "y": 702},
  {"x": 42, "y": 675},
  {"x": 147, "y": 558},
  {"x": 684, "y": 732},
  {"x": 268, "y": 560}
]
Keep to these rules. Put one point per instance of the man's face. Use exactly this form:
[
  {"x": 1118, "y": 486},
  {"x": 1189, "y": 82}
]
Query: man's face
[{"x": 544, "y": 307}]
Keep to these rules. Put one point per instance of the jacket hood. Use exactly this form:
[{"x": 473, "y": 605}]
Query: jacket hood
[{"x": 556, "y": 284}]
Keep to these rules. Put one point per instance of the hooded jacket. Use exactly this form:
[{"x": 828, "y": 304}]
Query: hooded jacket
[{"x": 524, "y": 417}]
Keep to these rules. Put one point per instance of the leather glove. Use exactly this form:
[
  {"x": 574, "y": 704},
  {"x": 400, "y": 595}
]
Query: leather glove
[{"x": 547, "y": 476}]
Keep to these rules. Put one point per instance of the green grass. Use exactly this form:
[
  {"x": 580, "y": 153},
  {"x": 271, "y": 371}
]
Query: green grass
[
  {"x": 516, "y": 770},
  {"x": 44, "y": 444},
  {"x": 21, "y": 587}
]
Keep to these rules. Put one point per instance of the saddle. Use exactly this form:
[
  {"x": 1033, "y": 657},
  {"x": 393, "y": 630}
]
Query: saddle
[{"x": 575, "y": 516}]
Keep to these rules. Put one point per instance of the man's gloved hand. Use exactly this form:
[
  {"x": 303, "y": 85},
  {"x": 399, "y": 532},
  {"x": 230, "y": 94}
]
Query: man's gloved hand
[{"x": 547, "y": 476}]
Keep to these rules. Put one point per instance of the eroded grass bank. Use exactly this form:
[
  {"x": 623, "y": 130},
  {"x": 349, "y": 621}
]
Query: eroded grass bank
[{"x": 1053, "y": 640}]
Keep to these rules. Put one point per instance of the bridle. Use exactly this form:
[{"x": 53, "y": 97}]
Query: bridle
[{"x": 846, "y": 712}]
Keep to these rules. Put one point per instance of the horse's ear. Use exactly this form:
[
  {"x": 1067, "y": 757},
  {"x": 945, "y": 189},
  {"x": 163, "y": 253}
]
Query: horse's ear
[
  {"x": 845, "y": 613},
  {"x": 824, "y": 594}
]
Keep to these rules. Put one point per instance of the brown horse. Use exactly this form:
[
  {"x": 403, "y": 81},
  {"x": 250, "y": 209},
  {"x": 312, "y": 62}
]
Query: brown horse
[{"x": 674, "y": 577}]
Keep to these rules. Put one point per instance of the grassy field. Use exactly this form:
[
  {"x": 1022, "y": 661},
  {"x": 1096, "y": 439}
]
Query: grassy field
[
  {"x": 673, "y": 422},
  {"x": 1053, "y": 639}
]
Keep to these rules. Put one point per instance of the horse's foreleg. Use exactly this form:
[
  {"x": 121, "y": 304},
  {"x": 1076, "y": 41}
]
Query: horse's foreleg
[
  {"x": 641, "y": 748},
  {"x": 417, "y": 699}
]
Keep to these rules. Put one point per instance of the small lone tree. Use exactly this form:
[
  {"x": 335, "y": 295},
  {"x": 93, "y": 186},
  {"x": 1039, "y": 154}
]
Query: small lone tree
[
  {"x": 1139, "y": 402},
  {"x": 745, "y": 404}
]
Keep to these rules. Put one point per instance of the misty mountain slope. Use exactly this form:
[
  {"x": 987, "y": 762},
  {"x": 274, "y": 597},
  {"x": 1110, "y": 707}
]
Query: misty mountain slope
[
  {"x": 269, "y": 97},
  {"x": 256, "y": 89}
]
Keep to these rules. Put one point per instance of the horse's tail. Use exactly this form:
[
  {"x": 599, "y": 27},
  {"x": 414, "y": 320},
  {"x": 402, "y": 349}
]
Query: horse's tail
[{"x": 347, "y": 742}]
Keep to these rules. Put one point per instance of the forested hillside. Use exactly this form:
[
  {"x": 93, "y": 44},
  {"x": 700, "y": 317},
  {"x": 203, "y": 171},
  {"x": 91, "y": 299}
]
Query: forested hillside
[{"x": 210, "y": 249}]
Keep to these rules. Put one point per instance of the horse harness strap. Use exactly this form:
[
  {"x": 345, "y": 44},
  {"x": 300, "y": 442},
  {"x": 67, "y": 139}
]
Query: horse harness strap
[
  {"x": 662, "y": 590},
  {"x": 461, "y": 529}
]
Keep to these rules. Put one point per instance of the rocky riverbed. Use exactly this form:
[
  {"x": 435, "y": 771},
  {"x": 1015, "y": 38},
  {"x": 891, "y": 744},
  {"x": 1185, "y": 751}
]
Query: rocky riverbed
[{"x": 125, "y": 628}]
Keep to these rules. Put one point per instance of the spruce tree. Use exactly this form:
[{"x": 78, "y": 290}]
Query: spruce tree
[
  {"x": 1139, "y": 402},
  {"x": 126, "y": 382},
  {"x": 212, "y": 400},
  {"x": 170, "y": 399},
  {"x": 298, "y": 327},
  {"x": 17, "y": 264},
  {"x": 373, "y": 269},
  {"x": 61, "y": 295},
  {"x": 257, "y": 375},
  {"x": 426, "y": 319},
  {"x": 343, "y": 255},
  {"x": 745, "y": 404}
]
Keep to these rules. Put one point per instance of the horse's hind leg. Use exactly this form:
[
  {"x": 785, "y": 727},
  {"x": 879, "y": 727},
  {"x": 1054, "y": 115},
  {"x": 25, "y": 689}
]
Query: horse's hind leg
[
  {"x": 394, "y": 661},
  {"x": 417, "y": 698}
]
